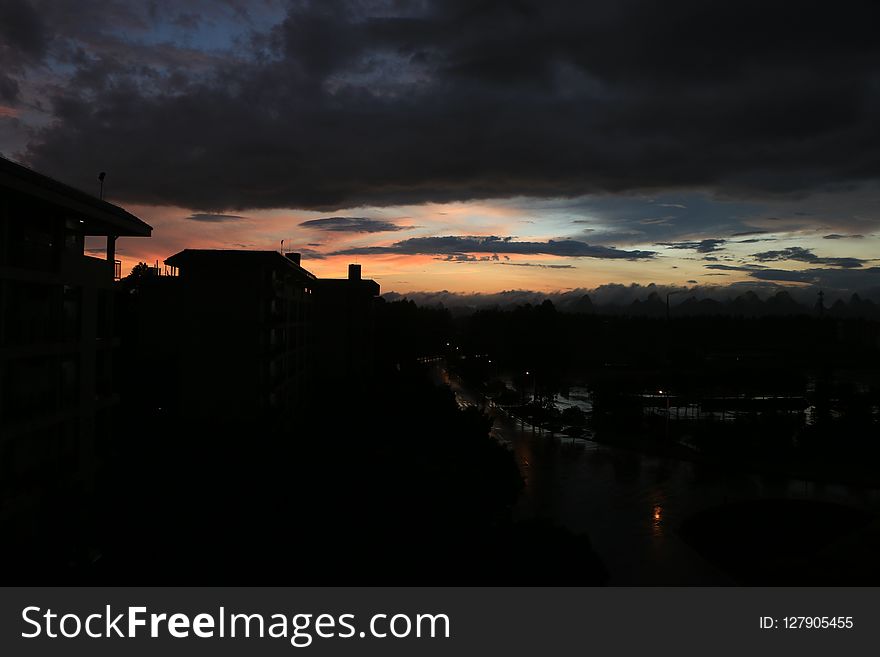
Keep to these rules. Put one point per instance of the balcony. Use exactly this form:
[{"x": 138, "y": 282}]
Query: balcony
[{"x": 86, "y": 269}]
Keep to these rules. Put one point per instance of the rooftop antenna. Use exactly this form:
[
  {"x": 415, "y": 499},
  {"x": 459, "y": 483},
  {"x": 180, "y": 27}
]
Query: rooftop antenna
[{"x": 101, "y": 177}]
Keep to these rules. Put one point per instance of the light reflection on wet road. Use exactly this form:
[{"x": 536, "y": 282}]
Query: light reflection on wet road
[{"x": 631, "y": 504}]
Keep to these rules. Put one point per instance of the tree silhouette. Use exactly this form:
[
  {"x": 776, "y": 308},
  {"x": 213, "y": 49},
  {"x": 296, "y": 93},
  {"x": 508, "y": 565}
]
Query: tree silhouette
[{"x": 139, "y": 273}]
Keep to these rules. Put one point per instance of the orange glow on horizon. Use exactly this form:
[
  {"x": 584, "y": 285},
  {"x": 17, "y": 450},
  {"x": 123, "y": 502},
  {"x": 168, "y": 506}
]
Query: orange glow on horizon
[{"x": 174, "y": 229}]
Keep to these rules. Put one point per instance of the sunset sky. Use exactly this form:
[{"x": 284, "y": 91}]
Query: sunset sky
[{"x": 468, "y": 146}]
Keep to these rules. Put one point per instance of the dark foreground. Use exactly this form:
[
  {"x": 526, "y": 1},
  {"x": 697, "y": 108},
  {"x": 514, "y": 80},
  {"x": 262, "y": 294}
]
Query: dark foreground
[
  {"x": 395, "y": 486},
  {"x": 390, "y": 481}
]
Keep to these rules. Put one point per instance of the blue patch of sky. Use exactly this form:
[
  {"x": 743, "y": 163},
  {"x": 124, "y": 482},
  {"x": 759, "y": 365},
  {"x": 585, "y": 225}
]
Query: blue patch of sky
[{"x": 639, "y": 218}]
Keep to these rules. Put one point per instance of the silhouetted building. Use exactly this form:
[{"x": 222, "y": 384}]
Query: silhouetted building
[
  {"x": 241, "y": 325},
  {"x": 57, "y": 340},
  {"x": 345, "y": 309},
  {"x": 242, "y": 336}
]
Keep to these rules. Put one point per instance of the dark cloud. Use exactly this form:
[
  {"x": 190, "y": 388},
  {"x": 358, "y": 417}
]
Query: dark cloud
[
  {"x": 834, "y": 278},
  {"x": 801, "y": 254},
  {"x": 23, "y": 35},
  {"x": 837, "y": 236},
  {"x": 311, "y": 254},
  {"x": 703, "y": 246},
  {"x": 8, "y": 89},
  {"x": 187, "y": 20},
  {"x": 214, "y": 218},
  {"x": 467, "y": 257},
  {"x": 347, "y": 103},
  {"x": 24, "y": 40},
  {"x": 844, "y": 279},
  {"x": 749, "y": 233},
  {"x": 536, "y": 264},
  {"x": 455, "y": 245},
  {"x": 735, "y": 267},
  {"x": 353, "y": 225}
]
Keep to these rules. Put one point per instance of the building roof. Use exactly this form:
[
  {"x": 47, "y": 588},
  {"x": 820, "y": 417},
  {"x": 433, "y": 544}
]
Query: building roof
[
  {"x": 342, "y": 285},
  {"x": 233, "y": 257},
  {"x": 99, "y": 216}
]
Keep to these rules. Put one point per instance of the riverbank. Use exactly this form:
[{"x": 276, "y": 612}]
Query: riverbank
[
  {"x": 633, "y": 499},
  {"x": 861, "y": 474},
  {"x": 679, "y": 445}
]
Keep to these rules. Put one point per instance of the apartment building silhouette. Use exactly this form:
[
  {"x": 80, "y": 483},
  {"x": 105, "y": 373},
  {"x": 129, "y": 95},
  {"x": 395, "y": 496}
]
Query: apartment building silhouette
[
  {"x": 242, "y": 325},
  {"x": 57, "y": 341}
]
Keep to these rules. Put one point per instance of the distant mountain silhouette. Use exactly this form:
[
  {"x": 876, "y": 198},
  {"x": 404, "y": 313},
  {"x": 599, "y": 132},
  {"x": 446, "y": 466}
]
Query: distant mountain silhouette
[
  {"x": 583, "y": 305},
  {"x": 653, "y": 306},
  {"x": 693, "y": 307},
  {"x": 748, "y": 304},
  {"x": 856, "y": 307},
  {"x": 636, "y": 300},
  {"x": 782, "y": 304}
]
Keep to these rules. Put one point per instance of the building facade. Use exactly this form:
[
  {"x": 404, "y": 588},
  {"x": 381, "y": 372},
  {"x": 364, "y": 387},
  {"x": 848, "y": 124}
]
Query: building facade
[
  {"x": 243, "y": 329},
  {"x": 345, "y": 323},
  {"x": 57, "y": 342},
  {"x": 237, "y": 337}
]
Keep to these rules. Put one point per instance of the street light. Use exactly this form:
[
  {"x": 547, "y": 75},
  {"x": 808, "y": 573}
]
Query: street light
[{"x": 660, "y": 392}]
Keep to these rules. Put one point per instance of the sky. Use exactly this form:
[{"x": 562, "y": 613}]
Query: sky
[{"x": 469, "y": 146}]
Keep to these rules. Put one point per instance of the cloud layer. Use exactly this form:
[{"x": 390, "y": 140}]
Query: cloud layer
[
  {"x": 455, "y": 245},
  {"x": 339, "y": 103},
  {"x": 801, "y": 254},
  {"x": 679, "y": 135},
  {"x": 213, "y": 217},
  {"x": 352, "y": 225}
]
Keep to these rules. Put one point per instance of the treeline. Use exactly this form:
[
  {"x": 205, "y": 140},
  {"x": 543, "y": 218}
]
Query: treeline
[
  {"x": 795, "y": 391},
  {"x": 683, "y": 302},
  {"x": 570, "y": 344},
  {"x": 394, "y": 485},
  {"x": 724, "y": 354},
  {"x": 749, "y": 304}
]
